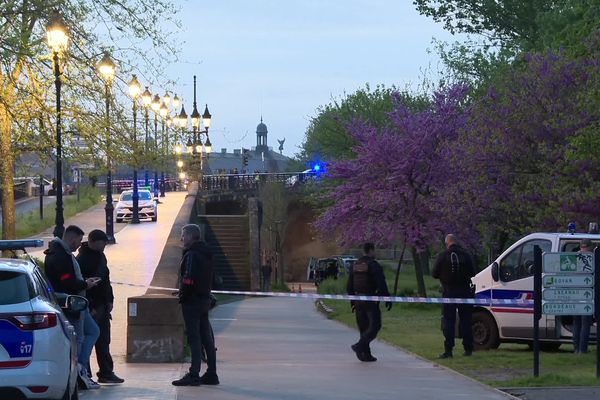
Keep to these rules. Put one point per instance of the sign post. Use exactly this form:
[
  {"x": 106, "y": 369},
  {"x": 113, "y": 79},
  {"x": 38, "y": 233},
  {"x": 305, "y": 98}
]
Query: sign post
[
  {"x": 569, "y": 287},
  {"x": 537, "y": 307}
]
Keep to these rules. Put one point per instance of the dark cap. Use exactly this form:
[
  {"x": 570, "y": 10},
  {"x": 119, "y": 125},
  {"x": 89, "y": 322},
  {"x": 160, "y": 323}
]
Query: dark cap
[
  {"x": 97, "y": 235},
  {"x": 585, "y": 243}
]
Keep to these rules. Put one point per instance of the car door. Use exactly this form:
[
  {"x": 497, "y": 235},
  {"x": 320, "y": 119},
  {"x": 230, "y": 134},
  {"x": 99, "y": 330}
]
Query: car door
[{"x": 516, "y": 282}]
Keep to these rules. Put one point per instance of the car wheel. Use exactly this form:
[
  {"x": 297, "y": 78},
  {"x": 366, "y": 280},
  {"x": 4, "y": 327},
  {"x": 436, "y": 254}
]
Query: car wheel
[{"x": 485, "y": 331}]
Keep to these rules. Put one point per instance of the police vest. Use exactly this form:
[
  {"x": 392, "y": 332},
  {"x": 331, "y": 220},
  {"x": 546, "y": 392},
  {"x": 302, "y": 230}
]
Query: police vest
[{"x": 361, "y": 278}]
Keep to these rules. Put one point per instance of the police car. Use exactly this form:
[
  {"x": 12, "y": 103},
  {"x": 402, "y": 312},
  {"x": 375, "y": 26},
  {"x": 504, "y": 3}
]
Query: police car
[{"x": 38, "y": 348}]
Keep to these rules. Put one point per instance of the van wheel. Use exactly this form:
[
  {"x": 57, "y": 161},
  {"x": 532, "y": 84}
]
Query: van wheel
[{"x": 485, "y": 332}]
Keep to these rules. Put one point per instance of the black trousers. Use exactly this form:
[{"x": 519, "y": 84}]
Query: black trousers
[
  {"x": 368, "y": 319},
  {"x": 465, "y": 313},
  {"x": 102, "y": 346},
  {"x": 199, "y": 335}
]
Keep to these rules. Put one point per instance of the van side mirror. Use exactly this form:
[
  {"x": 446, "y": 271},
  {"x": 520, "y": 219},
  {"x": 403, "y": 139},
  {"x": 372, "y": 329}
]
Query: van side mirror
[{"x": 495, "y": 274}]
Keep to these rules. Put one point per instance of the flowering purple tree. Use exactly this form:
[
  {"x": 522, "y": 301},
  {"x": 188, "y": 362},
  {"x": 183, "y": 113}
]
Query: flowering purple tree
[
  {"x": 389, "y": 192},
  {"x": 525, "y": 157}
]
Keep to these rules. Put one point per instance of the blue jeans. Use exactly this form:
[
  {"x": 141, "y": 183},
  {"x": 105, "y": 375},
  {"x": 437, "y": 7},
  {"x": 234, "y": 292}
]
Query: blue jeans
[
  {"x": 581, "y": 332},
  {"x": 87, "y": 333}
]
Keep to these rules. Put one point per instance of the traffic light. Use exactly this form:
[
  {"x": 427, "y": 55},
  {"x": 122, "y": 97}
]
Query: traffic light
[{"x": 245, "y": 157}]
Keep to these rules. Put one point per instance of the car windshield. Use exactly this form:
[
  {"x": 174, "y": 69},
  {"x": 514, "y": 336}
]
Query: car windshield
[
  {"x": 142, "y": 196},
  {"x": 14, "y": 287}
]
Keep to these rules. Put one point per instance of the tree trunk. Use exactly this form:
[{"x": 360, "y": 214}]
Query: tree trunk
[
  {"x": 395, "y": 292},
  {"x": 424, "y": 258},
  {"x": 419, "y": 273},
  {"x": 6, "y": 175}
]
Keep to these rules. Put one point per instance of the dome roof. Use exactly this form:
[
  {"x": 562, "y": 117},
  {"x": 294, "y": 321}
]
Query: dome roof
[{"x": 261, "y": 128}]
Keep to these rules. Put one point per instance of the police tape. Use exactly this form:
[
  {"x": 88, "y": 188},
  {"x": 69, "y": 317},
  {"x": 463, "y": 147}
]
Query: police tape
[{"x": 394, "y": 299}]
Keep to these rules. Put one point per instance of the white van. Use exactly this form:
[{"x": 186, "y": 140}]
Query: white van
[{"x": 511, "y": 277}]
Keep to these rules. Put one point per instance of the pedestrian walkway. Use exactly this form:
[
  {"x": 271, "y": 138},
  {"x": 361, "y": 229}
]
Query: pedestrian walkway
[{"x": 268, "y": 348}]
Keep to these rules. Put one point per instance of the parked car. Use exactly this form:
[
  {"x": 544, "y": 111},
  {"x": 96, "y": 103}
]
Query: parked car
[
  {"x": 325, "y": 268},
  {"x": 38, "y": 347},
  {"x": 345, "y": 262},
  {"x": 147, "y": 207}
]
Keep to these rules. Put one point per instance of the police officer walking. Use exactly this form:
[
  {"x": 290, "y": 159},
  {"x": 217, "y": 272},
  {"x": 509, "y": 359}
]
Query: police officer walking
[
  {"x": 454, "y": 268},
  {"x": 366, "y": 278}
]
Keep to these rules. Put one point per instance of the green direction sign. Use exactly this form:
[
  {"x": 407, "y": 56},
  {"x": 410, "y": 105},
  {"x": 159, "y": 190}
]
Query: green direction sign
[
  {"x": 568, "y": 308},
  {"x": 567, "y": 294},
  {"x": 568, "y": 263},
  {"x": 567, "y": 281}
]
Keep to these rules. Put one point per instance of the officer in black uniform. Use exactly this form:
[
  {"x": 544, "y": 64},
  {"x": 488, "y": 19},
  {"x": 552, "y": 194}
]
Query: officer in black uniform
[
  {"x": 454, "y": 268},
  {"x": 367, "y": 278}
]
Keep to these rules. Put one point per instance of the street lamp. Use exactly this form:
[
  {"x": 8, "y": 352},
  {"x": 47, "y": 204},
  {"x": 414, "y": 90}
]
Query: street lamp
[
  {"x": 107, "y": 69},
  {"x": 146, "y": 100},
  {"x": 155, "y": 105},
  {"x": 58, "y": 39},
  {"x": 195, "y": 146},
  {"x": 135, "y": 90},
  {"x": 164, "y": 112}
]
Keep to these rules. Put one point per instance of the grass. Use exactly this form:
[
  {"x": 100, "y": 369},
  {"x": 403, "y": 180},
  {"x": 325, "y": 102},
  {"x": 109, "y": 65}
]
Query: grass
[
  {"x": 416, "y": 328},
  {"x": 30, "y": 224}
]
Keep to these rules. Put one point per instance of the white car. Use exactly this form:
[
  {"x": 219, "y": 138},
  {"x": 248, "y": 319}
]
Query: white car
[
  {"x": 147, "y": 207},
  {"x": 38, "y": 347}
]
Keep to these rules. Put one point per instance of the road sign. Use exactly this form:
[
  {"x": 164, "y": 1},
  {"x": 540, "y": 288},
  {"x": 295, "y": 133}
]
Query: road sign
[
  {"x": 566, "y": 294},
  {"x": 568, "y": 308},
  {"x": 571, "y": 263},
  {"x": 579, "y": 280}
]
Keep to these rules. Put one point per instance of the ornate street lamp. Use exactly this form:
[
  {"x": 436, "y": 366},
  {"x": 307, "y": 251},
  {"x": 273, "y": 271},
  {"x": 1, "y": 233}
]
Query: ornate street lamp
[
  {"x": 155, "y": 105},
  {"x": 107, "y": 69},
  {"x": 146, "y": 100},
  {"x": 135, "y": 90},
  {"x": 164, "y": 112},
  {"x": 195, "y": 146},
  {"x": 58, "y": 39}
]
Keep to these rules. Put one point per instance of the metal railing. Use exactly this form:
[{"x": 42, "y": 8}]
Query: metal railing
[{"x": 245, "y": 182}]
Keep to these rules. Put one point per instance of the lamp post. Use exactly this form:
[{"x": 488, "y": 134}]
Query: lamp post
[
  {"x": 164, "y": 111},
  {"x": 156, "y": 108},
  {"x": 58, "y": 38},
  {"x": 146, "y": 100},
  {"x": 107, "y": 69},
  {"x": 195, "y": 146},
  {"x": 135, "y": 90}
]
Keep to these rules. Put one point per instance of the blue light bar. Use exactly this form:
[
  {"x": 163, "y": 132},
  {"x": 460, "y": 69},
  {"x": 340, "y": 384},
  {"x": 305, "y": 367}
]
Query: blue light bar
[{"x": 20, "y": 244}]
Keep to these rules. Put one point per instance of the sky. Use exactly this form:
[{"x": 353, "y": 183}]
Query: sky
[{"x": 283, "y": 59}]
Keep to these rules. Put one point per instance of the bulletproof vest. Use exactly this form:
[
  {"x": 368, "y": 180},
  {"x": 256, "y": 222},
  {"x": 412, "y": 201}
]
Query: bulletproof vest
[{"x": 360, "y": 274}]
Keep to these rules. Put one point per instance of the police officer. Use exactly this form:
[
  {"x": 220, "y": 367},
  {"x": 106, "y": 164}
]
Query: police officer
[
  {"x": 454, "y": 268},
  {"x": 367, "y": 278},
  {"x": 195, "y": 281}
]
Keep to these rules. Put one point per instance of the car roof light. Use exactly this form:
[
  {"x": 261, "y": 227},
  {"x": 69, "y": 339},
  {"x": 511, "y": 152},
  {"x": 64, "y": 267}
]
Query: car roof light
[{"x": 20, "y": 244}]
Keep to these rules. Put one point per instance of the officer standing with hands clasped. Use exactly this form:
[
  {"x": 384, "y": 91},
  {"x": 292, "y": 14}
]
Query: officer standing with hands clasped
[
  {"x": 366, "y": 278},
  {"x": 454, "y": 268}
]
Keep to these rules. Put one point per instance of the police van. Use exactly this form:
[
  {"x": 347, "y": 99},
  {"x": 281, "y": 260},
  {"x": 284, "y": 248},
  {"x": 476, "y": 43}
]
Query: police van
[{"x": 510, "y": 276}]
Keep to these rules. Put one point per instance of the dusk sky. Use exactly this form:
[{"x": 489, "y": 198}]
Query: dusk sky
[{"x": 284, "y": 59}]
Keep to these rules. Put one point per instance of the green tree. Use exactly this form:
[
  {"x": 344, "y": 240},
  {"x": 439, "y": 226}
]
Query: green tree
[{"x": 26, "y": 90}]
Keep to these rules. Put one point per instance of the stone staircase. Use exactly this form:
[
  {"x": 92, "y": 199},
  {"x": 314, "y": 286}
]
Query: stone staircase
[{"x": 228, "y": 238}]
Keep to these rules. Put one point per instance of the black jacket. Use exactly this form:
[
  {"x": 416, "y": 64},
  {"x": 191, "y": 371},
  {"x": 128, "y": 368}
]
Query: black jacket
[
  {"x": 195, "y": 273},
  {"x": 94, "y": 263},
  {"x": 460, "y": 279},
  {"x": 58, "y": 265},
  {"x": 374, "y": 284}
]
